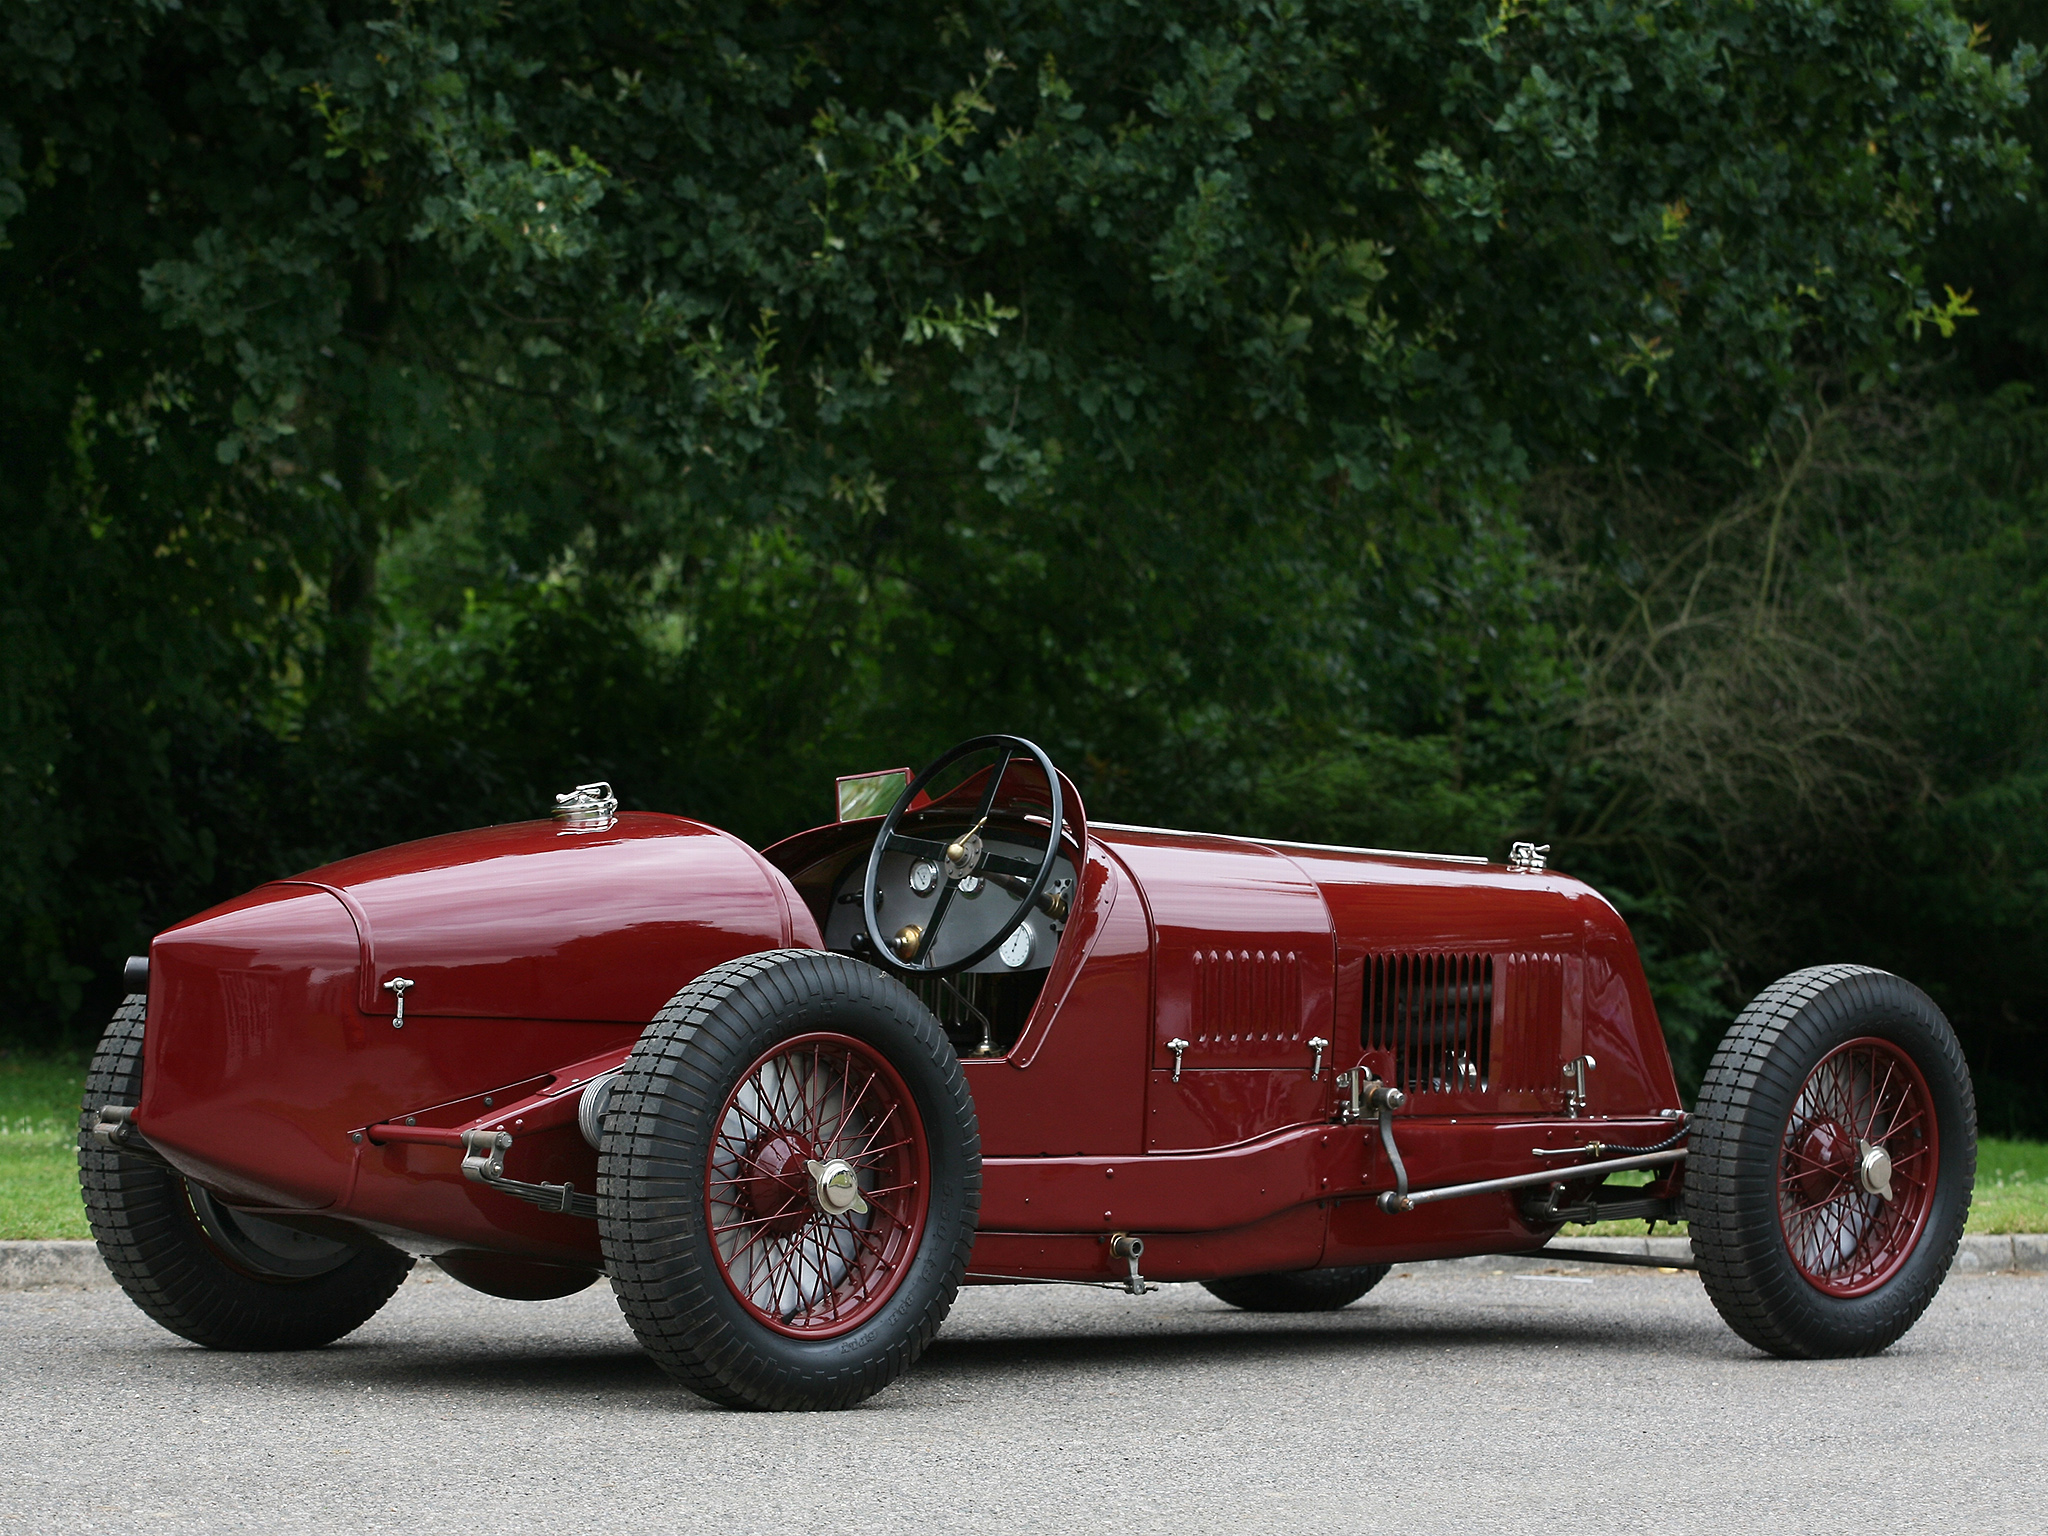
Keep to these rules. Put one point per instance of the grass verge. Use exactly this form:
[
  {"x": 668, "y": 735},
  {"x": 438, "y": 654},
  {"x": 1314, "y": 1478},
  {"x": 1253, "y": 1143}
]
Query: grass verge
[
  {"x": 39, "y": 1149},
  {"x": 39, "y": 1165}
]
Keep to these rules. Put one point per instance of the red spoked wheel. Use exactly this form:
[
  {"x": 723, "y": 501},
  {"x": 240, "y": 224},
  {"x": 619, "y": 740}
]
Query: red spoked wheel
[
  {"x": 1858, "y": 1164},
  {"x": 789, "y": 1182},
  {"x": 1832, "y": 1151},
  {"x": 817, "y": 1186}
]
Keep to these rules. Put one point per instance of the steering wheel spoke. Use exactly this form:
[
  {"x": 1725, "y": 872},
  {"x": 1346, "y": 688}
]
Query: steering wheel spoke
[
  {"x": 1003, "y": 864},
  {"x": 923, "y": 958},
  {"x": 995, "y": 783}
]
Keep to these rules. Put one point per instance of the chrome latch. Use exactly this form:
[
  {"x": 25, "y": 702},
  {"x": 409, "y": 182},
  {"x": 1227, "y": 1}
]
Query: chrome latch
[
  {"x": 398, "y": 986},
  {"x": 1319, "y": 1045},
  {"x": 1178, "y": 1046},
  {"x": 1130, "y": 1249},
  {"x": 1575, "y": 1072},
  {"x": 1529, "y": 858}
]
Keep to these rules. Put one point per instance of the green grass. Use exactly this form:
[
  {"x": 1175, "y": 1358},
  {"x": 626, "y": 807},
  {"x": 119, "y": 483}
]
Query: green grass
[
  {"x": 39, "y": 1166},
  {"x": 2012, "y": 1187},
  {"x": 39, "y": 1149}
]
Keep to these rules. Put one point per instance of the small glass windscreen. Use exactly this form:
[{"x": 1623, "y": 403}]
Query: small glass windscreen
[{"x": 871, "y": 794}]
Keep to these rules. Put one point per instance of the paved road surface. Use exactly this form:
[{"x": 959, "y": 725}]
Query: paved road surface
[{"x": 1444, "y": 1401}]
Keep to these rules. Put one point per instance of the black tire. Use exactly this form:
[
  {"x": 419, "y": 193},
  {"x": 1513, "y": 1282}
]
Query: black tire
[
  {"x": 1301, "y": 1290},
  {"x": 207, "y": 1286},
  {"x": 662, "y": 1128},
  {"x": 1740, "y": 1134}
]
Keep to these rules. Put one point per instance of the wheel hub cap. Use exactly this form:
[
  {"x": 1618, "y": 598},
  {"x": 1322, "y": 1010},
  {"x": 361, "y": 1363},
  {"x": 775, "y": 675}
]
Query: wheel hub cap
[
  {"x": 1874, "y": 1169},
  {"x": 1827, "y": 1156},
  {"x": 775, "y": 1190},
  {"x": 834, "y": 1189}
]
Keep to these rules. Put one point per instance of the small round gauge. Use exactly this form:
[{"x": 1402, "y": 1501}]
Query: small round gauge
[
  {"x": 970, "y": 885},
  {"x": 924, "y": 877},
  {"x": 1016, "y": 950}
]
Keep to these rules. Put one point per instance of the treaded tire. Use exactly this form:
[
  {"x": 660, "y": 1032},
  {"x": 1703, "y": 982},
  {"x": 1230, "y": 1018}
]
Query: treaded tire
[
  {"x": 1301, "y": 1290},
  {"x": 654, "y": 1176},
  {"x": 150, "y": 1237},
  {"x": 1732, "y": 1175}
]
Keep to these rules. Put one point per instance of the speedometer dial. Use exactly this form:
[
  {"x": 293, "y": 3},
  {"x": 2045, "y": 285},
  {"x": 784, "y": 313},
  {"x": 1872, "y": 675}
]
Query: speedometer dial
[{"x": 1016, "y": 950}]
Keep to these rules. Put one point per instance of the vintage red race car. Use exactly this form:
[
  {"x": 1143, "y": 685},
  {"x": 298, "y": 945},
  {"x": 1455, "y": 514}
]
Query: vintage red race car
[{"x": 789, "y": 1101}]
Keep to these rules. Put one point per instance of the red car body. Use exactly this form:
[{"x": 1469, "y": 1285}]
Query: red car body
[{"x": 1177, "y": 1076}]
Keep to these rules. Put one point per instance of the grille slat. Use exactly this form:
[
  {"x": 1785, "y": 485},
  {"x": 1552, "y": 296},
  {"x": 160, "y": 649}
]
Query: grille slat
[{"x": 1433, "y": 1013}]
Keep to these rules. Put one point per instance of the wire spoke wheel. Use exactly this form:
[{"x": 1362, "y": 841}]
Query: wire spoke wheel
[
  {"x": 1833, "y": 1150},
  {"x": 1857, "y": 1169},
  {"x": 817, "y": 1185},
  {"x": 789, "y": 1174}
]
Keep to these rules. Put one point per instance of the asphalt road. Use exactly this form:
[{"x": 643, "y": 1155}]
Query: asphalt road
[{"x": 1442, "y": 1402}]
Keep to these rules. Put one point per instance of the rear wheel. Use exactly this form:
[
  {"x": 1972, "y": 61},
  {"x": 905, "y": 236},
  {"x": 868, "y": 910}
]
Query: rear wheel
[
  {"x": 1833, "y": 1153},
  {"x": 207, "y": 1272},
  {"x": 1302, "y": 1290},
  {"x": 788, "y": 1183}
]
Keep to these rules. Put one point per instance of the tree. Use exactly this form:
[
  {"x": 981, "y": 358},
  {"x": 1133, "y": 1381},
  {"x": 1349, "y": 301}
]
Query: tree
[{"x": 417, "y": 406}]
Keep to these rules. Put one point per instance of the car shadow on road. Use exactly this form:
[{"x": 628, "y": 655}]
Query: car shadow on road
[
  {"x": 404, "y": 1365},
  {"x": 1306, "y": 1341}
]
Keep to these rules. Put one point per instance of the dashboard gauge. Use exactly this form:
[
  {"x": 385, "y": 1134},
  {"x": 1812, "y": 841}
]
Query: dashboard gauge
[
  {"x": 924, "y": 877},
  {"x": 1016, "y": 950},
  {"x": 970, "y": 885}
]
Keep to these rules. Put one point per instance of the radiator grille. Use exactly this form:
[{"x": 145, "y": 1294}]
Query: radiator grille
[{"x": 1433, "y": 1013}]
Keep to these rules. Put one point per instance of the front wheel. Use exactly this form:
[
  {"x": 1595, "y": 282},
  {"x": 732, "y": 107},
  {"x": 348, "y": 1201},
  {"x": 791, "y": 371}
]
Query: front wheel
[
  {"x": 209, "y": 1273},
  {"x": 788, "y": 1181},
  {"x": 1833, "y": 1153}
]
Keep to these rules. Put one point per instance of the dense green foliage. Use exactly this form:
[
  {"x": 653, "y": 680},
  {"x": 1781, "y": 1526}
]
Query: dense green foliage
[{"x": 1372, "y": 420}]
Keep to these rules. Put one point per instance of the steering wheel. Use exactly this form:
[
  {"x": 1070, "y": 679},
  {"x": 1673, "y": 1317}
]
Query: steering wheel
[{"x": 915, "y": 949}]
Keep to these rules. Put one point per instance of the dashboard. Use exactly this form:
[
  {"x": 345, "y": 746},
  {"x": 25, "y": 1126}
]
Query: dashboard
[{"x": 908, "y": 892}]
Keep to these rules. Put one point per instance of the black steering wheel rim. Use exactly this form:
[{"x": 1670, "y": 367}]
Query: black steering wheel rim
[{"x": 919, "y": 964}]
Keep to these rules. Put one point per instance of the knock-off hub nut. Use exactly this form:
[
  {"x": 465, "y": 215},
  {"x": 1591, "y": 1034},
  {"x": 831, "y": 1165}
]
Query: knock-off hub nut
[
  {"x": 834, "y": 1188},
  {"x": 1874, "y": 1169}
]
